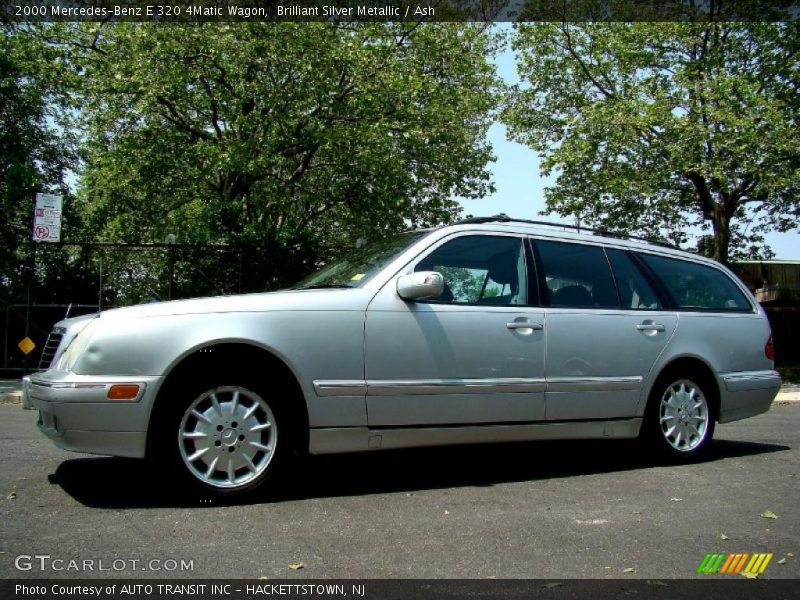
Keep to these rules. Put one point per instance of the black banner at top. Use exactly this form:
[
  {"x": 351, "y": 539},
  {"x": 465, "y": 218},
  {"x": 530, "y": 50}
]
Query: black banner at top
[{"x": 166, "y": 11}]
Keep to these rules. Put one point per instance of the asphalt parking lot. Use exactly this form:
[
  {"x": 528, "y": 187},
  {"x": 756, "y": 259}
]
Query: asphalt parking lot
[{"x": 543, "y": 510}]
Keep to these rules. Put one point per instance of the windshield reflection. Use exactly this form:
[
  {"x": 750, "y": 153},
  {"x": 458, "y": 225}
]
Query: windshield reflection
[{"x": 361, "y": 265}]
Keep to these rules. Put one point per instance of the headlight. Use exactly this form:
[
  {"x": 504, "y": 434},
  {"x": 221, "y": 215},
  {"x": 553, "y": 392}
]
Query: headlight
[{"x": 76, "y": 347}]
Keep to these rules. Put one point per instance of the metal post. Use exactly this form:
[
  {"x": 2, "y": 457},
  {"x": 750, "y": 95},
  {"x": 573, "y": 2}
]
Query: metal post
[
  {"x": 31, "y": 275},
  {"x": 5, "y": 342},
  {"x": 170, "y": 240},
  {"x": 241, "y": 267},
  {"x": 171, "y": 270},
  {"x": 100, "y": 287}
]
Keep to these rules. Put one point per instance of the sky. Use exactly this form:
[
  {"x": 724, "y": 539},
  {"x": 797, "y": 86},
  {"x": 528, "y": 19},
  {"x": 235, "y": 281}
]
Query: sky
[{"x": 519, "y": 186}]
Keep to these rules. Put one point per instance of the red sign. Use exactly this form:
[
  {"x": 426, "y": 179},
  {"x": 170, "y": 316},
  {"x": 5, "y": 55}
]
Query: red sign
[{"x": 47, "y": 218}]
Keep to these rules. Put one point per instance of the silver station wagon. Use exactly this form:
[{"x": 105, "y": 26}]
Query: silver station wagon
[{"x": 491, "y": 329}]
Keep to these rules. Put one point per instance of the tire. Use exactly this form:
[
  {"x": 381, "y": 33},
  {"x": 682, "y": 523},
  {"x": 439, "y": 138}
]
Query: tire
[
  {"x": 225, "y": 438},
  {"x": 680, "y": 416}
]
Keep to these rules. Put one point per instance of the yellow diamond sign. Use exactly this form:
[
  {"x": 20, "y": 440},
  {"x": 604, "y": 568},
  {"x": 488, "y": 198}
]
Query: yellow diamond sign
[{"x": 26, "y": 345}]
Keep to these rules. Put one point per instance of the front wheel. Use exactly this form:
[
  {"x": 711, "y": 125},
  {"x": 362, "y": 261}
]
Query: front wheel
[
  {"x": 227, "y": 439},
  {"x": 679, "y": 421}
]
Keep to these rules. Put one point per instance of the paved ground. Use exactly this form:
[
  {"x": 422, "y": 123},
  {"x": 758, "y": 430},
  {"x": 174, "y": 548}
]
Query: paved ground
[
  {"x": 789, "y": 392},
  {"x": 523, "y": 510},
  {"x": 9, "y": 391}
]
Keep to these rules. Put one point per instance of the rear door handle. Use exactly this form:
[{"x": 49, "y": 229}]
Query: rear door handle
[
  {"x": 535, "y": 325},
  {"x": 651, "y": 327}
]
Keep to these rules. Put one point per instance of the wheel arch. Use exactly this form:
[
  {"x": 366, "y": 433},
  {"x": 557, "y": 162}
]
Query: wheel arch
[
  {"x": 683, "y": 364},
  {"x": 229, "y": 354}
]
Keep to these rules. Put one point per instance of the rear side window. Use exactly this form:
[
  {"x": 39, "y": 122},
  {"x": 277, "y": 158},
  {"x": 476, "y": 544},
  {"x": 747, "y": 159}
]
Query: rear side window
[
  {"x": 576, "y": 275},
  {"x": 635, "y": 292},
  {"x": 697, "y": 287}
]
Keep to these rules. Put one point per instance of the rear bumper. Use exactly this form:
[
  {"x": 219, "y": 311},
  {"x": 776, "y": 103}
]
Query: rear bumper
[
  {"x": 747, "y": 393},
  {"x": 76, "y": 415}
]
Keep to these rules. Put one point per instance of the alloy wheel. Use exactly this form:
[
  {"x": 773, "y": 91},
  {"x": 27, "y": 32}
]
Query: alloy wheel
[
  {"x": 684, "y": 415},
  {"x": 227, "y": 437}
]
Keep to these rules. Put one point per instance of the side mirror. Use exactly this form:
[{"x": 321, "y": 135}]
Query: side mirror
[{"x": 425, "y": 285}]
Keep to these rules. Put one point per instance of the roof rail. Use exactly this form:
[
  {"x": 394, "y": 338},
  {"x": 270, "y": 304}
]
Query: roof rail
[{"x": 503, "y": 218}]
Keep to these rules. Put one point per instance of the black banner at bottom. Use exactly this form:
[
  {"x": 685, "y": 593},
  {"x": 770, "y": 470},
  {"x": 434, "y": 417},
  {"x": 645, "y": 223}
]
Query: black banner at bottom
[{"x": 389, "y": 589}]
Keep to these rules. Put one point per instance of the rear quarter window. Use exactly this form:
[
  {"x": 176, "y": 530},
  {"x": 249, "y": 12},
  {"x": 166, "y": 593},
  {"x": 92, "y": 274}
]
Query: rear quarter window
[
  {"x": 693, "y": 286},
  {"x": 635, "y": 291}
]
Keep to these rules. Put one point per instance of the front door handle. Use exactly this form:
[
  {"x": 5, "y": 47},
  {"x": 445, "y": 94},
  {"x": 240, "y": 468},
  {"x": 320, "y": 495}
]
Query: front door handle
[
  {"x": 651, "y": 327},
  {"x": 534, "y": 325}
]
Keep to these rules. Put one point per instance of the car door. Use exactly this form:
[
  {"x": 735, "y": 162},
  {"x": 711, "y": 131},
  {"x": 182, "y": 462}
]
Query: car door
[
  {"x": 604, "y": 331},
  {"x": 474, "y": 355}
]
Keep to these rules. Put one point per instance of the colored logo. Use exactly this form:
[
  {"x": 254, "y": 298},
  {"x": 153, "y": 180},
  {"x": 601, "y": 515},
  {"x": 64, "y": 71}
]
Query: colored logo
[{"x": 735, "y": 562}]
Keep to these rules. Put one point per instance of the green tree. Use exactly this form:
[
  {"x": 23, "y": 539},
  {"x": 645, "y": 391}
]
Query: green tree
[
  {"x": 36, "y": 148},
  {"x": 300, "y": 137},
  {"x": 661, "y": 127}
]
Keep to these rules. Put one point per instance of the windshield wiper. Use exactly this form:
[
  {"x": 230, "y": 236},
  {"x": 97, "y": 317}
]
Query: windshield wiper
[{"x": 322, "y": 286}]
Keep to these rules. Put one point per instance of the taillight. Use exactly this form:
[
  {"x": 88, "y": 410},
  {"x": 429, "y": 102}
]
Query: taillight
[{"x": 769, "y": 349}]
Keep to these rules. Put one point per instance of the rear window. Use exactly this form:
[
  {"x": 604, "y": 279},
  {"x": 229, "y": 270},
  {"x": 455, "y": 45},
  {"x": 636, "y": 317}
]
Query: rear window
[
  {"x": 576, "y": 275},
  {"x": 693, "y": 286}
]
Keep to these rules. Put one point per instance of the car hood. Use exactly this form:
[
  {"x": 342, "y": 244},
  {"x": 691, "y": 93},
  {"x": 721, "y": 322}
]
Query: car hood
[{"x": 321, "y": 299}]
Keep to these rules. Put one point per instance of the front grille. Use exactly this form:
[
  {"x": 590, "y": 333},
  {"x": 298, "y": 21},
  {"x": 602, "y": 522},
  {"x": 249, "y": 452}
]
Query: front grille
[{"x": 50, "y": 348}]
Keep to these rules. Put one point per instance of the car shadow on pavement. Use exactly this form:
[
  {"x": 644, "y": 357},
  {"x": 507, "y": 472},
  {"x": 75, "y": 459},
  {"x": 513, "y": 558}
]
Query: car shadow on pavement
[{"x": 126, "y": 483}]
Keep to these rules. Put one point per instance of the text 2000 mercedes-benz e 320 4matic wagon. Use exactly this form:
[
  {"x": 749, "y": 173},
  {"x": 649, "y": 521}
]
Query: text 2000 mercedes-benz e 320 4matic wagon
[{"x": 488, "y": 330}]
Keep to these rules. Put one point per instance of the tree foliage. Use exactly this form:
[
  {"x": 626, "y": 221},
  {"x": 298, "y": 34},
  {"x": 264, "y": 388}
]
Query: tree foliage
[
  {"x": 299, "y": 137},
  {"x": 659, "y": 127},
  {"x": 36, "y": 149}
]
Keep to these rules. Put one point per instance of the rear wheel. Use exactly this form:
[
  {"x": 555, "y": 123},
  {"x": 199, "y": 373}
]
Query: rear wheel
[{"x": 679, "y": 422}]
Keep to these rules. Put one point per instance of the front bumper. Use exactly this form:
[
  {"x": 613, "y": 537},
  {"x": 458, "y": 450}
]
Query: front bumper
[{"x": 76, "y": 415}]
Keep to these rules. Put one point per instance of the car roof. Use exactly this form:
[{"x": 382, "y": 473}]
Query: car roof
[{"x": 567, "y": 232}]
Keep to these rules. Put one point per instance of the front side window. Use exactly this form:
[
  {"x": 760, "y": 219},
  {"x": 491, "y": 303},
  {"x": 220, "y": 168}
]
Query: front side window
[
  {"x": 576, "y": 275},
  {"x": 693, "y": 286},
  {"x": 480, "y": 269}
]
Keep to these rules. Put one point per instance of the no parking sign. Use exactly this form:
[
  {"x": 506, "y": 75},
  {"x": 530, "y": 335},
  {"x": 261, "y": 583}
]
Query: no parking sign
[{"x": 47, "y": 218}]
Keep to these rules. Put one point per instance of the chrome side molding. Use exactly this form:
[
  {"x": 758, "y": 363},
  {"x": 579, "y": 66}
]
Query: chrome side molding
[{"x": 401, "y": 387}]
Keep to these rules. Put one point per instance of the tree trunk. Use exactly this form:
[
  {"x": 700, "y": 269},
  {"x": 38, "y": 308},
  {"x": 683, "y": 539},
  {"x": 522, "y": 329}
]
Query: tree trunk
[
  {"x": 719, "y": 211},
  {"x": 722, "y": 234}
]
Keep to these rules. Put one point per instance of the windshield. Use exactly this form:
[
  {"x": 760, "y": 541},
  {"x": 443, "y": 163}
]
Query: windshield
[{"x": 357, "y": 268}]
